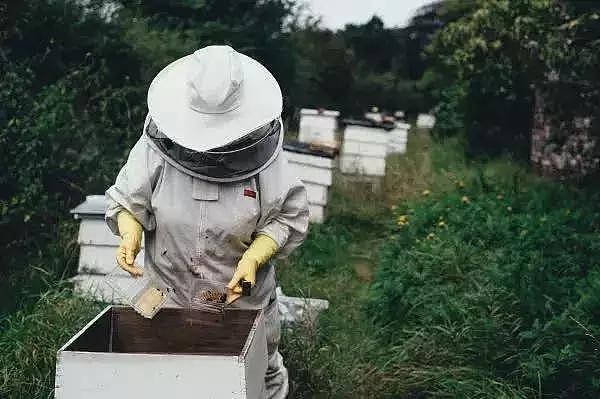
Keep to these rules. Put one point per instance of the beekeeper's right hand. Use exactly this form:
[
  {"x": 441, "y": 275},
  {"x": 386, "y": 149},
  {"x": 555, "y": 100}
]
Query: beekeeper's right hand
[{"x": 131, "y": 240}]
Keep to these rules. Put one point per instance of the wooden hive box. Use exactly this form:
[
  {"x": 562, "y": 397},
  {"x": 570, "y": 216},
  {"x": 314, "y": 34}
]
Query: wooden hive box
[
  {"x": 317, "y": 125},
  {"x": 97, "y": 249},
  {"x": 179, "y": 353},
  {"x": 315, "y": 169},
  {"x": 398, "y": 138},
  {"x": 364, "y": 149}
]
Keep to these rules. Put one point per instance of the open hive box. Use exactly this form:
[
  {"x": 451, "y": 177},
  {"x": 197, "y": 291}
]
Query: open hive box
[{"x": 180, "y": 353}]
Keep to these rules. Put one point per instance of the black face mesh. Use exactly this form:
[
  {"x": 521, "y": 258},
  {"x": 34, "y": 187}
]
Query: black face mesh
[{"x": 236, "y": 159}]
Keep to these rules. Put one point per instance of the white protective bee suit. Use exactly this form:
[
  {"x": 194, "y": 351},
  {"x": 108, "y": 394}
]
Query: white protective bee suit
[{"x": 198, "y": 226}]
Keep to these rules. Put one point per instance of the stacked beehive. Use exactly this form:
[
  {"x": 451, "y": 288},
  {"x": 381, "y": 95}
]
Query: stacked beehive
[
  {"x": 315, "y": 168},
  {"x": 398, "y": 138},
  {"x": 318, "y": 126},
  {"x": 364, "y": 149},
  {"x": 97, "y": 249},
  {"x": 425, "y": 121}
]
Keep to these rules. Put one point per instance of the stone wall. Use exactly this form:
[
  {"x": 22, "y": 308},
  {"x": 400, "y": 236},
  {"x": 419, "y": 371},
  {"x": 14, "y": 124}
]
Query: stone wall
[{"x": 562, "y": 147}]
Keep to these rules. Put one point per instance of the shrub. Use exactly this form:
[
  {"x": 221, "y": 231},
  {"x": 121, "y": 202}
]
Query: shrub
[
  {"x": 498, "y": 282},
  {"x": 501, "y": 51}
]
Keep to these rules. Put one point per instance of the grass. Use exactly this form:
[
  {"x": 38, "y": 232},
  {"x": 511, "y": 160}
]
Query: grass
[
  {"x": 343, "y": 356},
  {"x": 32, "y": 336},
  {"x": 488, "y": 307}
]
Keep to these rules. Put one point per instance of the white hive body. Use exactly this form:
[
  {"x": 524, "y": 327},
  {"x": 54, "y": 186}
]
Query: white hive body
[
  {"x": 318, "y": 126},
  {"x": 97, "y": 250},
  {"x": 364, "y": 149},
  {"x": 315, "y": 169},
  {"x": 398, "y": 138},
  {"x": 425, "y": 121},
  {"x": 178, "y": 354},
  {"x": 374, "y": 116}
]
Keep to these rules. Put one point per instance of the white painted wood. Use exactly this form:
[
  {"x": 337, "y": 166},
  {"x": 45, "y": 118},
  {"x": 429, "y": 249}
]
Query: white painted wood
[
  {"x": 316, "y": 213},
  {"x": 150, "y": 376},
  {"x": 94, "y": 205},
  {"x": 316, "y": 193},
  {"x": 364, "y": 149},
  {"x": 100, "y": 259},
  {"x": 307, "y": 173},
  {"x": 402, "y": 125},
  {"x": 311, "y": 160},
  {"x": 94, "y": 375},
  {"x": 324, "y": 112},
  {"x": 398, "y": 138},
  {"x": 354, "y": 164},
  {"x": 396, "y": 148},
  {"x": 425, "y": 121},
  {"x": 374, "y": 116},
  {"x": 96, "y": 231},
  {"x": 365, "y": 134},
  {"x": 316, "y": 173},
  {"x": 256, "y": 359},
  {"x": 93, "y": 231},
  {"x": 316, "y": 126}
]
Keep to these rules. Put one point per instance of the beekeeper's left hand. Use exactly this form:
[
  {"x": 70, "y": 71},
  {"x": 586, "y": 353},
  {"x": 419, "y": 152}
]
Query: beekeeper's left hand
[{"x": 258, "y": 253}]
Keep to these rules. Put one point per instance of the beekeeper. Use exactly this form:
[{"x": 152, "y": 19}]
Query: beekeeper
[{"x": 209, "y": 186}]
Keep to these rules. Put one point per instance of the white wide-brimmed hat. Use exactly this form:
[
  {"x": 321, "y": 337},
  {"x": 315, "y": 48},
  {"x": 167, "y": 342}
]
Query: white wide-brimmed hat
[{"x": 213, "y": 97}]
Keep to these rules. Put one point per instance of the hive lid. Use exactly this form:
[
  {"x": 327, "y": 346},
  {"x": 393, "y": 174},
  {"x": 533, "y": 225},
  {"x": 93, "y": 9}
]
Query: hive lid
[
  {"x": 94, "y": 205},
  {"x": 369, "y": 123},
  {"x": 320, "y": 111},
  {"x": 308, "y": 148}
]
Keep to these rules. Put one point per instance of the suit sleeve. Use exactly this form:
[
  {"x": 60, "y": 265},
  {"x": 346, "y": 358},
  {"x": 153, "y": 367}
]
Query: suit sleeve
[
  {"x": 134, "y": 185},
  {"x": 284, "y": 207}
]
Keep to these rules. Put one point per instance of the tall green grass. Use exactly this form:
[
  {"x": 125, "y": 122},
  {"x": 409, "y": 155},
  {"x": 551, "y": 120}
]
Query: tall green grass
[
  {"x": 31, "y": 337},
  {"x": 488, "y": 290}
]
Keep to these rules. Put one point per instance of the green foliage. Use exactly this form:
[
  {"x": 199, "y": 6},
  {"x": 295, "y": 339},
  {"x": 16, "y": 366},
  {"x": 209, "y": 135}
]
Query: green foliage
[
  {"x": 451, "y": 111},
  {"x": 31, "y": 337},
  {"x": 498, "y": 279},
  {"x": 501, "y": 51}
]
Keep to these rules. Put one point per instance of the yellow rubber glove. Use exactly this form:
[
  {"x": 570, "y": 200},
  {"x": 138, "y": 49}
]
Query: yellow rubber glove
[
  {"x": 260, "y": 251},
  {"x": 131, "y": 242}
]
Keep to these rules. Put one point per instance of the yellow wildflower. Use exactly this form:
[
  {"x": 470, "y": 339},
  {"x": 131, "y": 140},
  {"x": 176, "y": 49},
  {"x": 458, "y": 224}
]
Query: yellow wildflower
[
  {"x": 441, "y": 223},
  {"x": 402, "y": 220},
  {"x": 460, "y": 184},
  {"x": 465, "y": 199},
  {"x": 430, "y": 236},
  {"x": 425, "y": 193}
]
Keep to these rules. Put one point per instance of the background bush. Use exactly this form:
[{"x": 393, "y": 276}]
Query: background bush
[{"x": 497, "y": 281}]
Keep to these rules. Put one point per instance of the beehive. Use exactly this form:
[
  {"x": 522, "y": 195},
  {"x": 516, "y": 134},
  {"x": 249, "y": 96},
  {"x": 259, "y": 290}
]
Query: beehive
[
  {"x": 317, "y": 126},
  {"x": 364, "y": 149},
  {"x": 425, "y": 121},
  {"x": 97, "y": 249},
  {"x": 398, "y": 138},
  {"x": 315, "y": 169},
  {"x": 177, "y": 354}
]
